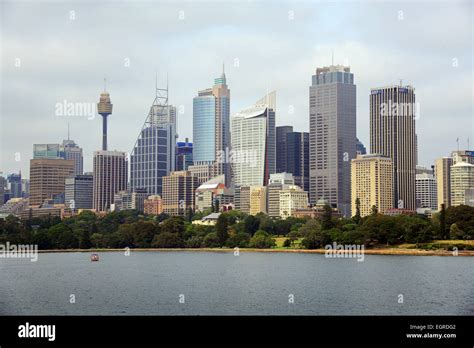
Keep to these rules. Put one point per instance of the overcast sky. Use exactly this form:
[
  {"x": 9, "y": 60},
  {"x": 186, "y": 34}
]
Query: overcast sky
[{"x": 51, "y": 55}]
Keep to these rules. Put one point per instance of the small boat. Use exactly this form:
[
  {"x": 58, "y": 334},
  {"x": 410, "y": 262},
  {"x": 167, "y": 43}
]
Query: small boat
[{"x": 94, "y": 257}]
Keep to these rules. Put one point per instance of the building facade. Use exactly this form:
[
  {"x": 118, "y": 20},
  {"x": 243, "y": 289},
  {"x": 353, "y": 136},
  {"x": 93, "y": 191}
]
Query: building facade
[
  {"x": 47, "y": 178},
  {"x": 291, "y": 199},
  {"x": 79, "y": 191},
  {"x": 392, "y": 134},
  {"x": 426, "y": 191},
  {"x": 462, "y": 181},
  {"x": 110, "y": 175},
  {"x": 332, "y": 135},
  {"x": 258, "y": 200},
  {"x": 443, "y": 181},
  {"x": 153, "y": 205},
  {"x": 371, "y": 183},
  {"x": 281, "y": 148},
  {"x": 253, "y": 143},
  {"x": 178, "y": 193},
  {"x": 184, "y": 155}
]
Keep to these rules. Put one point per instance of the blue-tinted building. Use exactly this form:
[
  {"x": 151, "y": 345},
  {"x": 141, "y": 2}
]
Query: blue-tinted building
[
  {"x": 15, "y": 185},
  {"x": 184, "y": 155},
  {"x": 204, "y": 127}
]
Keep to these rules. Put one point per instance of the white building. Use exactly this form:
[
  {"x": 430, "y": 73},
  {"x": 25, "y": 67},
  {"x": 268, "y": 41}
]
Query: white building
[
  {"x": 292, "y": 198},
  {"x": 462, "y": 182},
  {"x": 426, "y": 191}
]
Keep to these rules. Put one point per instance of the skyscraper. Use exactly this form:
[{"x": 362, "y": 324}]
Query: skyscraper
[
  {"x": 443, "y": 181},
  {"x": 332, "y": 135},
  {"x": 281, "y": 148},
  {"x": 211, "y": 127},
  {"x": 15, "y": 185},
  {"x": 392, "y": 134},
  {"x": 110, "y": 177},
  {"x": 360, "y": 148},
  {"x": 184, "y": 155},
  {"x": 73, "y": 152},
  {"x": 67, "y": 150},
  {"x": 371, "y": 177},
  {"x": 462, "y": 182},
  {"x": 253, "y": 143},
  {"x": 178, "y": 193},
  {"x": 78, "y": 191},
  {"x": 153, "y": 155},
  {"x": 297, "y": 158},
  {"x": 47, "y": 178},
  {"x": 426, "y": 190},
  {"x": 104, "y": 108}
]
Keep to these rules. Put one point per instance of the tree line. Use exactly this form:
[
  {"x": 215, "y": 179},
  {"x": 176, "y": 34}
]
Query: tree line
[{"x": 234, "y": 229}]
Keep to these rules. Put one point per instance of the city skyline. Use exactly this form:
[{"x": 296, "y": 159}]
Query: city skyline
[{"x": 75, "y": 76}]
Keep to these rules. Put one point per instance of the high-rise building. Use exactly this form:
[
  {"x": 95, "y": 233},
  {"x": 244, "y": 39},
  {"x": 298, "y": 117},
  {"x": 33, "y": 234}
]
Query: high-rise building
[
  {"x": 212, "y": 193},
  {"x": 47, "y": 178},
  {"x": 178, "y": 193},
  {"x": 110, "y": 176},
  {"x": 281, "y": 148},
  {"x": 242, "y": 199},
  {"x": 371, "y": 183},
  {"x": 104, "y": 108},
  {"x": 291, "y": 199},
  {"x": 297, "y": 162},
  {"x": 258, "y": 200},
  {"x": 463, "y": 156},
  {"x": 15, "y": 185},
  {"x": 426, "y": 189},
  {"x": 332, "y": 135},
  {"x": 78, "y": 191},
  {"x": 360, "y": 148},
  {"x": 253, "y": 143},
  {"x": 67, "y": 150},
  {"x": 73, "y": 152},
  {"x": 392, "y": 134},
  {"x": 25, "y": 187},
  {"x": 153, "y": 205},
  {"x": 443, "y": 181},
  {"x": 462, "y": 182},
  {"x": 211, "y": 137},
  {"x": 184, "y": 155},
  {"x": 153, "y": 155},
  {"x": 276, "y": 183},
  {"x": 3, "y": 184}
]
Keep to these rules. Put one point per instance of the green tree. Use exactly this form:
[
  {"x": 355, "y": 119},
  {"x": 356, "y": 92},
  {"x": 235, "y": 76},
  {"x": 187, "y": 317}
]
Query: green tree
[
  {"x": 251, "y": 224},
  {"x": 456, "y": 232},
  {"x": 374, "y": 210},
  {"x": 222, "y": 226},
  {"x": 262, "y": 240},
  {"x": 326, "y": 218},
  {"x": 312, "y": 225},
  {"x": 240, "y": 239},
  {"x": 442, "y": 223},
  {"x": 357, "y": 217},
  {"x": 167, "y": 240},
  {"x": 211, "y": 241},
  {"x": 287, "y": 243}
]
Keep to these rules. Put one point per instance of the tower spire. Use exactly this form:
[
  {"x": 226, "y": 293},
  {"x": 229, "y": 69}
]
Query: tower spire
[{"x": 105, "y": 84}]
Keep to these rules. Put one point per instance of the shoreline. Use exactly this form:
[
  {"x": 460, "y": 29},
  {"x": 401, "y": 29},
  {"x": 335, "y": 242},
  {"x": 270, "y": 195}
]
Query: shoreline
[{"x": 381, "y": 251}]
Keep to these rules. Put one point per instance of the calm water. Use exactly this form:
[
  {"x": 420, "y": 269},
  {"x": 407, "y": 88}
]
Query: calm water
[{"x": 223, "y": 284}]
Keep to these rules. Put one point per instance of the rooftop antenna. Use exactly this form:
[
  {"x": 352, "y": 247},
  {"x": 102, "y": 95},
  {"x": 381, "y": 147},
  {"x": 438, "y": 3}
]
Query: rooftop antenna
[
  {"x": 68, "y": 131},
  {"x": 457, "y": 140},
  {"x": 468, "y": 144},
  {"x": 401, "y": 82},
  {"x": 223, "y": 68},
  {"x": 105, "y": 84},
  {"x": 332, "y": 57}
]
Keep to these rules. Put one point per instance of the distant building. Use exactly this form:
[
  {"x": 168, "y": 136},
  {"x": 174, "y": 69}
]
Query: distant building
[
  {"x": 242, "y": 199},
  {"x": 462, "y": 180},
  {"x": 371, "y": 183},
  {"x": 276, "y": 183},
  {"x": 211, "y": 126},
  {"x": 211, "y": 192},
  {"x": 443, "y": 181},
  {"x": 178, "y": 193},
  {"x": 208, "y": 220},
  {"x": 47, "y": 178},
  {"x": 73, "y": 152},
  {"x": 463, "y": 156},
  {"x": 426, "y": 189},
  {"x": 184, "y": 155},
  {"x": 15, "y": 185},
  {"x": 297, "y": 153},
  {"x": 3, "y": 184},
  {"x": 392, "y": 134},
  {"x": 78, "y": 191},
  {"x": 292, "y": 199},
  {"x": 153, "y": 205},
  {"x": 317, "y": 211},
  {"x": 253, "y": 143},
  {"x": 281, "y": 148},
  {"x": 360, "y": 148},
  {"x": 332, "y": 135},
  {"x": 258, "y": 200},
  {"x": 110, "y": 176},
  {"x": 203, "y": 172}
]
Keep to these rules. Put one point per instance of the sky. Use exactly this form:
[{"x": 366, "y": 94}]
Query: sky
[{"x": 60, "y": 52}]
